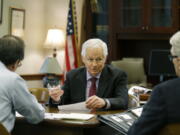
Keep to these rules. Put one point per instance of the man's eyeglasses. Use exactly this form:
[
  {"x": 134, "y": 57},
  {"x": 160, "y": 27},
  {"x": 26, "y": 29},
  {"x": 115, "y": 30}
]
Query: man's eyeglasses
[
  {"x": 171, "y": 57},
  {"x": 98, "y": 60},
  {"x": 19, "y": 64}
]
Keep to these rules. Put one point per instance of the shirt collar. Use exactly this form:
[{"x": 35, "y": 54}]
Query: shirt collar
[
  {"x": 2, "y": 65},
  {"x": 89, "y": 76}
]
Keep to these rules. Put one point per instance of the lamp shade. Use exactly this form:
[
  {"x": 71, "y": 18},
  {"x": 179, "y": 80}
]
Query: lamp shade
[
  {"x": 54, "y": 39},
  {"x": 50, "y": 66}
]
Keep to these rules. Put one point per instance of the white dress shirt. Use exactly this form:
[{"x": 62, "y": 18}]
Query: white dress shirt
[
  {"x": 88, "y": 79},
  {"x": 15, "y": 96}
]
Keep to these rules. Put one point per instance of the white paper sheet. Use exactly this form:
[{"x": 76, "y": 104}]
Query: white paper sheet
[
  {"x": 126, "y": 116},
  {"x": 137, "y": 111},
  {"x": 69, "y": 116},
  {"x": 18, "y": 115},
  {"x": 74, "y": 107}
]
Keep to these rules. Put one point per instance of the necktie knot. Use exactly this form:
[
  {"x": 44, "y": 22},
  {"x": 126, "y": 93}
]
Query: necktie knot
[{"x": 93, "y": 79}]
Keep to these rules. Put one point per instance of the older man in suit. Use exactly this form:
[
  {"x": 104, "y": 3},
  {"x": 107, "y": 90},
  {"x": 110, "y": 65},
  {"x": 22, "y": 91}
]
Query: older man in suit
[
  {"x": 100, "y": 85},
  {"x": 162, "y": 108}
]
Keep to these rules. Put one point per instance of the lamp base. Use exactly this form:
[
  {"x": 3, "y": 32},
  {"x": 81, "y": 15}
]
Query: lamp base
[
  {"x": 54, "y": 52},
  {"x": 51, "y": 79}
]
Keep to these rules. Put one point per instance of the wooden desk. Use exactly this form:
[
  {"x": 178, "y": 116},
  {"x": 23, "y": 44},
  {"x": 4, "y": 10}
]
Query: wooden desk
[{"x": 60, "y": 127}]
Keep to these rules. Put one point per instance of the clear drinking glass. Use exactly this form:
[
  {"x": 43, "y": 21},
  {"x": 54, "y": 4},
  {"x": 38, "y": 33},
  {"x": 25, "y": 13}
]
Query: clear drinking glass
[{"x": 52, "y": 86}]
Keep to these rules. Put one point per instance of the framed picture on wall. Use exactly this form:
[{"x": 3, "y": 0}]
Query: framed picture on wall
[
  {"x": 17, "y": 21},
  {"x": 1, "y": 10}
]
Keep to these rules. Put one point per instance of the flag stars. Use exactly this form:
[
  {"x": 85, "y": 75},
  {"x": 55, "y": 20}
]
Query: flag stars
[
  {"x": 69, "y": 23},
  {"x": 70, "y": 31}
]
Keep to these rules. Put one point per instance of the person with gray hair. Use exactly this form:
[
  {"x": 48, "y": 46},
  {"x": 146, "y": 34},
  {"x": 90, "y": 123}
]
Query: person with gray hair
[
  {"x": 14, "y": 94},
  {"x": 101, "y": 86},
  {"x": 162, "y": 108},
  {"x": 175, "y": 51}
]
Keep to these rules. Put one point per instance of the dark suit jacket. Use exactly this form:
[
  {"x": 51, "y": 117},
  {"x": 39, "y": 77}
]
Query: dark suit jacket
[
  {"x": 112, "y": 85},
  {"x": 163, "y": 108}
]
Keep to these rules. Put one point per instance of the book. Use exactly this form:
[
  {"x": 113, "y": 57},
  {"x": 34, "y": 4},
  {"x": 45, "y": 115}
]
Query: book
[{"x": 121, "y": 121}]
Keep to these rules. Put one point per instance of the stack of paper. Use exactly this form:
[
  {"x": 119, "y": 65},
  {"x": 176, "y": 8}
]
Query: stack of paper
[
  {"x": 80, "y": 107},
  {"x": 67, "y": 116}
]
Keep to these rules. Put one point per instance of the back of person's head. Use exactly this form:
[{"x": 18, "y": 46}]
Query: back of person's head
[
  {"x": 94, "y": 43},
  {"x": 11, "y": 49},
  {"x": 175, "y": 43}
]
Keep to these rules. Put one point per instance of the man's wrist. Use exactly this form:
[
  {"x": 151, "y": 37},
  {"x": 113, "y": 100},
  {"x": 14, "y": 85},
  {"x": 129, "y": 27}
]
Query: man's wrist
[{"x": 105, "y": 103}]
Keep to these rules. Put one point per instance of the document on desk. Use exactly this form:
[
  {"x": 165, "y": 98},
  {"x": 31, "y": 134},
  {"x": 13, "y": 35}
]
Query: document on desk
[
  {"x": 80, "y": 107},
  {"x": 18, "y": 115},
  {"x": 69, "y": 116},
  {"x": 137, "y": 111}
]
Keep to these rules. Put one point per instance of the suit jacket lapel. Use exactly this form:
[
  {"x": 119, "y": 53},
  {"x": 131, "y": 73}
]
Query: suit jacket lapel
[
  {"x": 103, "y": 82},
  {"x": 82, "y": 84}
]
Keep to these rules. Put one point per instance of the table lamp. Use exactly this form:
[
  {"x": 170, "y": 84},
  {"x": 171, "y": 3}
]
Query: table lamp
[
  {"x": 55, "y": 39},
  {"x": 51, "y": 68}
]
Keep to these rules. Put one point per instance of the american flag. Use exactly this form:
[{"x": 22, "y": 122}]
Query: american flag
[{"x": 71, "y": 40}]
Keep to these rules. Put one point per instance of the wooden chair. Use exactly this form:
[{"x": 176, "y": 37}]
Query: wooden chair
[
  {"x": 41, "y": 94},
  {"x": 134, "y": 67},
  {"x": 3, "y": 130},
  {"x": 170, "y": 129}
]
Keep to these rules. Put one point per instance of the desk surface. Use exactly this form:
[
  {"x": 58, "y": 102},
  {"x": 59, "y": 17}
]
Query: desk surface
[
  {"x": 55, "y": 127},
  {"x": 76, "y": 123}
]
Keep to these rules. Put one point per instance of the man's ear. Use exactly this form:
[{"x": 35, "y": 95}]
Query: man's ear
[{"x": 83, "y": 59}]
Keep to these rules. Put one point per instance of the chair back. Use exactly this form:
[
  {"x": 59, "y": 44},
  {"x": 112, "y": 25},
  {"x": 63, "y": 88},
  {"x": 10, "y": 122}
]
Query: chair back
[
  {"x": 170, "y": 129},
  {"x": 41, "y": 94},
  {"x": 134, "y": 67},
  {"x": 3, "y": 130}
]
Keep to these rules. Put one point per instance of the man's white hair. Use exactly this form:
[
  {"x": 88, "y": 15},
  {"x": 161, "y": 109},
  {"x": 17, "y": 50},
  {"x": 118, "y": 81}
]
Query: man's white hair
[
  {"x": 94, "y": 43},
  {"x": 175, "y": 43}
]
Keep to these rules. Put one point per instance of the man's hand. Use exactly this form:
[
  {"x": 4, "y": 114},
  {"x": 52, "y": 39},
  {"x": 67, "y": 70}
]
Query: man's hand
[
  {"x": 95, "y": 102},
  {"x": 56, "y": 93}
]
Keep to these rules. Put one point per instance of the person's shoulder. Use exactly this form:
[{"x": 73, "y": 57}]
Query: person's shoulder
[
  {"x": 11, "y": 77},
  {"x": 16, "y": 78},
  {"x": 11, "y": 74},
  {"x": 76, "y": 71},
  {"x": 113, "y": 69},
  {"x": 169, "y": 84}
]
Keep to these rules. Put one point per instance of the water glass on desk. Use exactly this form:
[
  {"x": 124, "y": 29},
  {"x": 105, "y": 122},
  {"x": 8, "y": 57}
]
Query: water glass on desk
[
  {"x": 55, "y": 92},
  {"x": 53, "y": 86}
]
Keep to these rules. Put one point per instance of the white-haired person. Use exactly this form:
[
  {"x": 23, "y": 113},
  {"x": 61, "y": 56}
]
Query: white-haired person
[
  {"x": 101, "y": 86},
  {"x": 162, "y": 108}
]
